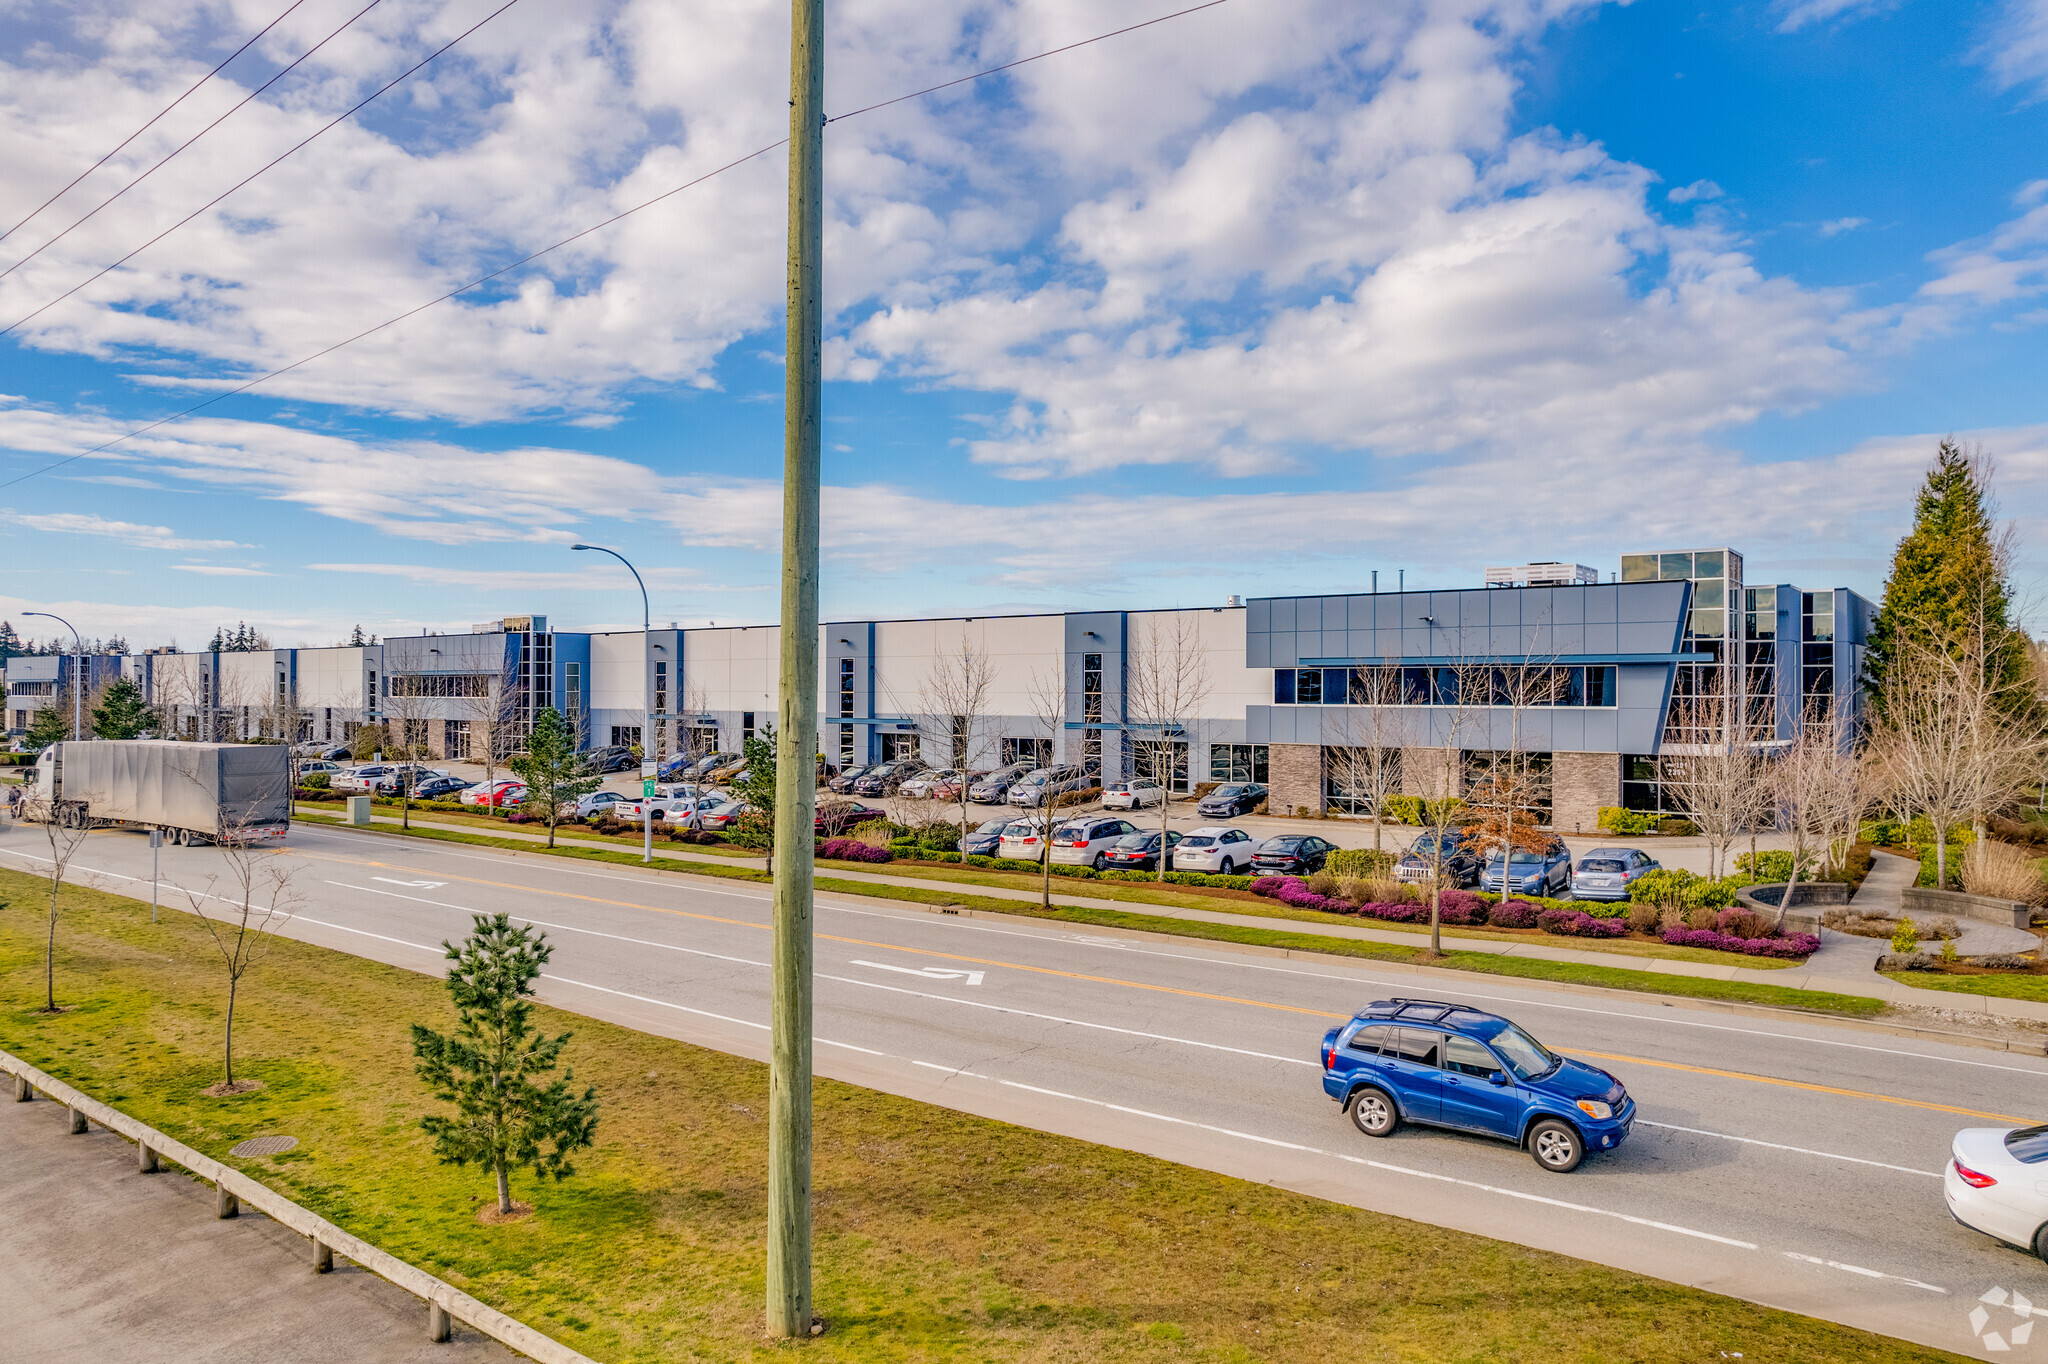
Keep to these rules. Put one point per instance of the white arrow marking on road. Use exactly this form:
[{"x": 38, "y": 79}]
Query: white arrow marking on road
[
  {"x": 416, "y": 885},
  {"x": 928, "y": 972}
]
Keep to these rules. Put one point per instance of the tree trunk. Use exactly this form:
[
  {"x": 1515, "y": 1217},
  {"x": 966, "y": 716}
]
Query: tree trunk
[
  {"x": 1045, "y": 857},
  {"x": 1940, "y": 859},
  {"x": 227, "y": 1051},
  {"x": 50, "y": 957},
  {"x": 504, "y": 1191},
  {"x": 1165, "y": 798},
  {"x": 1436, "y": 901}
]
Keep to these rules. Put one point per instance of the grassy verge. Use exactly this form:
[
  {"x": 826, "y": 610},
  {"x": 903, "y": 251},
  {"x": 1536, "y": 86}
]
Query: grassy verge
[
  {"x": 1485, "y": 963},
  {"x": 492, "y": 824},
  {"x": 2018, "y": 985},
  {"x": 939, "y": 1236}
]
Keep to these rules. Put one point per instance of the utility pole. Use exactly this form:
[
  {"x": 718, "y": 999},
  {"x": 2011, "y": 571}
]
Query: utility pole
[
  {"x": 796, "y": 736},
  {"x": 77, "y": 674}
]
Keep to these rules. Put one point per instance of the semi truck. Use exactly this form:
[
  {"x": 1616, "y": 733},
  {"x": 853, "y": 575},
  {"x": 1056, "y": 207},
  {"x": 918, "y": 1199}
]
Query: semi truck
[{"x": 194, "y": 793}]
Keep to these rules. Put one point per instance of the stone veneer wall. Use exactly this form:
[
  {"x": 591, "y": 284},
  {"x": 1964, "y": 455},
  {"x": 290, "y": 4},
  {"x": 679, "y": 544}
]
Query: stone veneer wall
[
  {"x": 1294, "y": 778},
  {"x": 1580, "y": 785}
]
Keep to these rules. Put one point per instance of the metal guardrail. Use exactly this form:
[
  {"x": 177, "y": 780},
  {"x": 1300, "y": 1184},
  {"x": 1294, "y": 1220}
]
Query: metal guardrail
[{"x": 445, "y": 1302}]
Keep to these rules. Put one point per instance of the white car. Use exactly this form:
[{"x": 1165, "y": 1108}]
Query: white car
[
  {"x": 1023, "y": 839},
  {"x": 1214, "y": 848},
  {"x": 1085, "y": 842},
  {"x": 1131, "y": 795},
  {"x": 921, "y": 785},
  {"x": 1997, "y": 1183},
  {"x": 596, "y": 803},
  {"x": 363, "y": 778},
  {"x": 312, "y": 765},
  {"x": 667, "y": 810}
]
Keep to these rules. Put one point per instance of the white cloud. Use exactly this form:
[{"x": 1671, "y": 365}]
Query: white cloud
[
  {"x": 1835, "y": 227},
  {"x": 601, "y": 577},
  {"x": 221, "y": 571},
  {"x": 2007, "y": 264},
  {"x": 1698, "y": 189},
  {"x": 128, "y": 532},
  {"x": 1797, "y": 14},
  {"x": 2016, "y": 51}
]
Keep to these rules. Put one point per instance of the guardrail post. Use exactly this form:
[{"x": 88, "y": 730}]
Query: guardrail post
[
  {"x": 77, "y": 1124},
  {"x": 323, "y": 1258},
  {"x": 23, "y": 1090},
  {"x": 439, "y": 1327},
  {"x": 145, "y": 1159},
  {"x": 225, "y": 1204}
]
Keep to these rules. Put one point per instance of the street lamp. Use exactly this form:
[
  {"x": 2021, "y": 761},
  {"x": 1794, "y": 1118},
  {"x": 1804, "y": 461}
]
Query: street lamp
[
  {"x": 647, "y": 688},
  {"x": 77, "y": 686}
]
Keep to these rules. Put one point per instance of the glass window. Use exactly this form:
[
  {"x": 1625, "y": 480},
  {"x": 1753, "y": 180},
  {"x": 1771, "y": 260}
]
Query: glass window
[
  {"x": 1602, "y": 864},
  {"x": 1446, "y": 691},
  {"x": 2029, "y": 1145},
  {"x": 1418, "y": 1046},
  {"x": 1710, "y": 623},
  {"x": 1466, "y": 1057},
  {"x": 1374, "y": 1039},
  {"x": 1763, "y": 599},
  {"x": 1525, "y": 1056},
  {"x": 1336, "y": 686},
  {"x": 1600, "y": 686},
  {"x": 1283, "y": 686},
  {"x": 1709, "y": 592},
  {"x": 1415, "y": 684},
  {"x": 1707, "y": 564},
  {"x": 1639, "y": 568},
  {"x": 1308, "y": 687},
  {"x": 1674, "y": 567}
]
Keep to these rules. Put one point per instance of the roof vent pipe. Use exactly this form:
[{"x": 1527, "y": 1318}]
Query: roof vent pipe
[{"x": 1235, "y": 600}]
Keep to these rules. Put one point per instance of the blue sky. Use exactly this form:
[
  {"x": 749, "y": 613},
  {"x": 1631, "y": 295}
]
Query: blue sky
[{"x": 1263, "y": 299}]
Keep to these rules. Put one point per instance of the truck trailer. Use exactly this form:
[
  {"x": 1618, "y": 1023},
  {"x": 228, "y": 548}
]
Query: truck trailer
[{"x": 195, "y": 793}]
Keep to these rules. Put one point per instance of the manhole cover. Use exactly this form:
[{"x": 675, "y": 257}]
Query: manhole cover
[{"x": 264, "y": 1146}]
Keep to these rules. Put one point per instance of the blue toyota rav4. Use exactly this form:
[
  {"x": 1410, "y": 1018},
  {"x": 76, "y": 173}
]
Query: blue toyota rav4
[{"x": 1446, "y": 1065}]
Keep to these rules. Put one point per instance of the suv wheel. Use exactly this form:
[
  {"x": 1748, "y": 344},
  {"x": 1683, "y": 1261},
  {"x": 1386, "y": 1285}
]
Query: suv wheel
[
  {"x": 1373, "y": 1113},
  {"x": 1101, "y": 862},
  {"x": 2041, "y": 1243},
  {"x": 1228, "y": 868},
  {"x": 1556, "y": 1146}
]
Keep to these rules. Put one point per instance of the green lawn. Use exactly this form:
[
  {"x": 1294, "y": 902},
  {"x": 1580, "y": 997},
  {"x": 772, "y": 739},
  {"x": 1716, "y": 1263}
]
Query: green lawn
[
  {"x": 1486, "y": 963},
  {"x": 939, "y": 1236},
  {"x": 497, "y": 825},
  {"x": 2018, "y": 985}
]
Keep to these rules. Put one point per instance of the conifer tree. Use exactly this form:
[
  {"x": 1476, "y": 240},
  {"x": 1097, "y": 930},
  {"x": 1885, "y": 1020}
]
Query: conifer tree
[
  {"x": 121, "y": 713},
  {"x": 488, "y": 1069},
  {"x": 554, "y": 772},
  {"x": 1947, "y": 582},
  {"x": 50, "y": 725},
  {"x": 10, "y": 643}
]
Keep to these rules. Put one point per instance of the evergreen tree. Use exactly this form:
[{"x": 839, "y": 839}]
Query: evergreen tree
[
  {"x": 219, "y": 644},
  {"x": 121, "y": 713},
  {"x": 10, "y": 643},
  {"x": 51, "y": 724},
  {"x": 554, "y": 772},
  {"x": 488, "y": 1069},
  {"x": 355, "y": 638},
  {"x": 1948, "y": 575}
]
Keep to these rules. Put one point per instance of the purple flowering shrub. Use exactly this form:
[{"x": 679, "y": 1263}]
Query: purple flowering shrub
[
  {"x": 1576, "y": 923},
  {"x": 1790, "y": 945},
  {"x": 1268, "y": 886},
  {"x": 853, "y": 850},
  {"x": 1512, "y": 914}
]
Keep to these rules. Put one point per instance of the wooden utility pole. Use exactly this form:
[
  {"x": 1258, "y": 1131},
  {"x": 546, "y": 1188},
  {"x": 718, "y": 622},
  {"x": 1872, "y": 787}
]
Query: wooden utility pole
[{"x": 796, "y": 736}]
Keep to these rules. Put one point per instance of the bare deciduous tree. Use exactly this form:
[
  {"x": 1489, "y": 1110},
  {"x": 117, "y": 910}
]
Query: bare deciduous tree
[
  {"x": 406, "y": 716},
  {"x": 952, "y": 704},
  {"x": 1363, "y": 752},
  {"x": 1722, "y": 775},
  {"x": 493, "y": 719},
  {"x": 254, "y": 899},
  {"x": 1047, "y": 697},
  {"x": 1821, "y": 786},
  {"x": 1166, "y": 682},
  {"x": 65, "y": 833}
]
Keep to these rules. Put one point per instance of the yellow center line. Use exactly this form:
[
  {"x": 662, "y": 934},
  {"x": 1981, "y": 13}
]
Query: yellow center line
[
  {"x": 1797, "y": 1084},
  {"x": 1166, "y": 989}
]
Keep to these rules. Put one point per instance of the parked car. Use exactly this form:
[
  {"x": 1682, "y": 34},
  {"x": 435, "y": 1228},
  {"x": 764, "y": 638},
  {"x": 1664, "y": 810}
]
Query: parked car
[
  {"x": 1997, "y": 1183},
  {"x": 1607, "y": 873},
  {"x": 719, "y": 818},
  {"x": 1460, "y": 858},
  {"x": 920, "y": 784},
  {"x": 1447, "y": 1065},
  {"x": 403, "y": 776},
  {"x": 1216, "y": 849},
  {"x": 985, "y": 840},
  {"x": 836, "y": 817},
  {"x": 1140, "y": 852},
  {"x": 363, "y": 778},
  {"x": 500, "y": 793},
  {"x": 332, "y": 752},
  {"x": 883, "y": 779},
  {"x": 1086, "y": 842},
  {"x": 611, "y": 758},
  {"x": 1035, "y": 788},
  {"x": 312, "y": 765},
  {"x": 1023, "y": 839},
  {"x": 1228, "y": 802},
  {"x": 1132, "y": 795},
  {"x": 1548, "y": 872},
  {"x": 594, "y": 805},
  {"x": 440, "y": 788},
  {"x": 994, "y": 787},
  {"x": 949, "y": 785},
  {"x": 848, "y": 775},
  {"x": 725, "y": 771},
  {"x": 664, "y": 809},
  {"x": 1292, "y": 855}
]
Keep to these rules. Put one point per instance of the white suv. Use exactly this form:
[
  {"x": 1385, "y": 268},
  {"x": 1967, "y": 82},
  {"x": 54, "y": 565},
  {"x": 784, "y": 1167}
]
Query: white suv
[
  {"x": 1216, "y": 849},
  {"x": 1083, "y": 842}
]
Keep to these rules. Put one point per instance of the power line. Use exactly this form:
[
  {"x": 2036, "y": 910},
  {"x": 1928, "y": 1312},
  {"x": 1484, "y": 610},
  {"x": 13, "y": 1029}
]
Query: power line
[
  {"x": 342, "y": 117},
  {"x": 153, "y": 120},
  {"x": 575, "y": 237},
  {"x": 187, "y": 142}
]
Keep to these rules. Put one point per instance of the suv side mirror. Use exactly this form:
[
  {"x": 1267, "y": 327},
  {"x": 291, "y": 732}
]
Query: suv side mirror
[{"x": 1499, "y": 1077}]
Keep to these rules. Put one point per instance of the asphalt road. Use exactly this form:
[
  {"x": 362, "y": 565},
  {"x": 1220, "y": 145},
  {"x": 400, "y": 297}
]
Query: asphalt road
[{"x": 1789, "y": 1162}]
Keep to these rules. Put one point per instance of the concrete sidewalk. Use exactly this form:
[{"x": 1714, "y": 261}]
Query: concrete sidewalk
[
  {"x": 1844, "y": 974},
  {"x": 101, "y": 1263}
]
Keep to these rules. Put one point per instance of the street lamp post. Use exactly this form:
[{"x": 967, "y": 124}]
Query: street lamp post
[
  {"x": 77, "y": 684},
  {"x": 647, "y": 689}
]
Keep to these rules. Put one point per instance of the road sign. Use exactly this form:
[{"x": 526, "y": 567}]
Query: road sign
[{"x": 647, "y": 788}]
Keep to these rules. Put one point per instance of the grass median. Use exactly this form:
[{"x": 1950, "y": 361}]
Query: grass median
[
  {"x": 1484, "y": 963},
  {"x": 2018, "y": 985},
  {"x": 940, "y": 1236}
]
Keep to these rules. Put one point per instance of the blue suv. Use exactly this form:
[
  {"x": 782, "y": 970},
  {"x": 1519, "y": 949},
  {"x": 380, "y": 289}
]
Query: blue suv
[{"x": 1446, "y": 1065}]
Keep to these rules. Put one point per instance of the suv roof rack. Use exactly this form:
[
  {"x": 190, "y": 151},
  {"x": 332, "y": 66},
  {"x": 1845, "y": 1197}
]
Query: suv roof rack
[{"x": 1400, "y": 1004}]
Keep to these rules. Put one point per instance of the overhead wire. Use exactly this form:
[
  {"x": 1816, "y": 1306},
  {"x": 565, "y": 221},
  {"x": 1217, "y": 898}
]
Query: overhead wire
[
  {"x": 578, "y": 236},
  {"x": 90, "y": 213},
  {"x": 338, "y": 119},
  {"x": 154, "y": 118}
]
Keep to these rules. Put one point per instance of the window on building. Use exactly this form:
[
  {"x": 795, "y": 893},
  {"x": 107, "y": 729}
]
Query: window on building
[
  {"x": 1237, "y": 762},
  {"x": 1350, "y": 775},
  {"x": 455, "y": 739},
  {"x": 1524, "y": 773},
  {"x": 1035, "y": 751},
  {"x": 431, "y": 684},
  {"x": 746, "y": 725},
  {"x": 1091, "y": 752},
  {"x": 572, "y": 699},
  {"x": 895, "y": 746},
  {"x": 660, "y": 688},
  {"x": 625, "y": 736},
  {"x": 1091, "y": 689},
  {"x": 846, "y": 746},
  {"x": 846, "y": 686},
  {"x": 1148, "y": 757}
]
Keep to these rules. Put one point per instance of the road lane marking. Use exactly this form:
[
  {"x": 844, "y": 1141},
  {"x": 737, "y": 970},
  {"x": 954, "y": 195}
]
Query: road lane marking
[
  {"x": 1779, "y": 1146},
  {"x": 1798, "y": 1084},
  {"x": 416, "y": 885},
  {"x": 1231, "y": 999},
  {"x": 1866, "y": 1273},
  {"x": 926, "y": 972}
]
